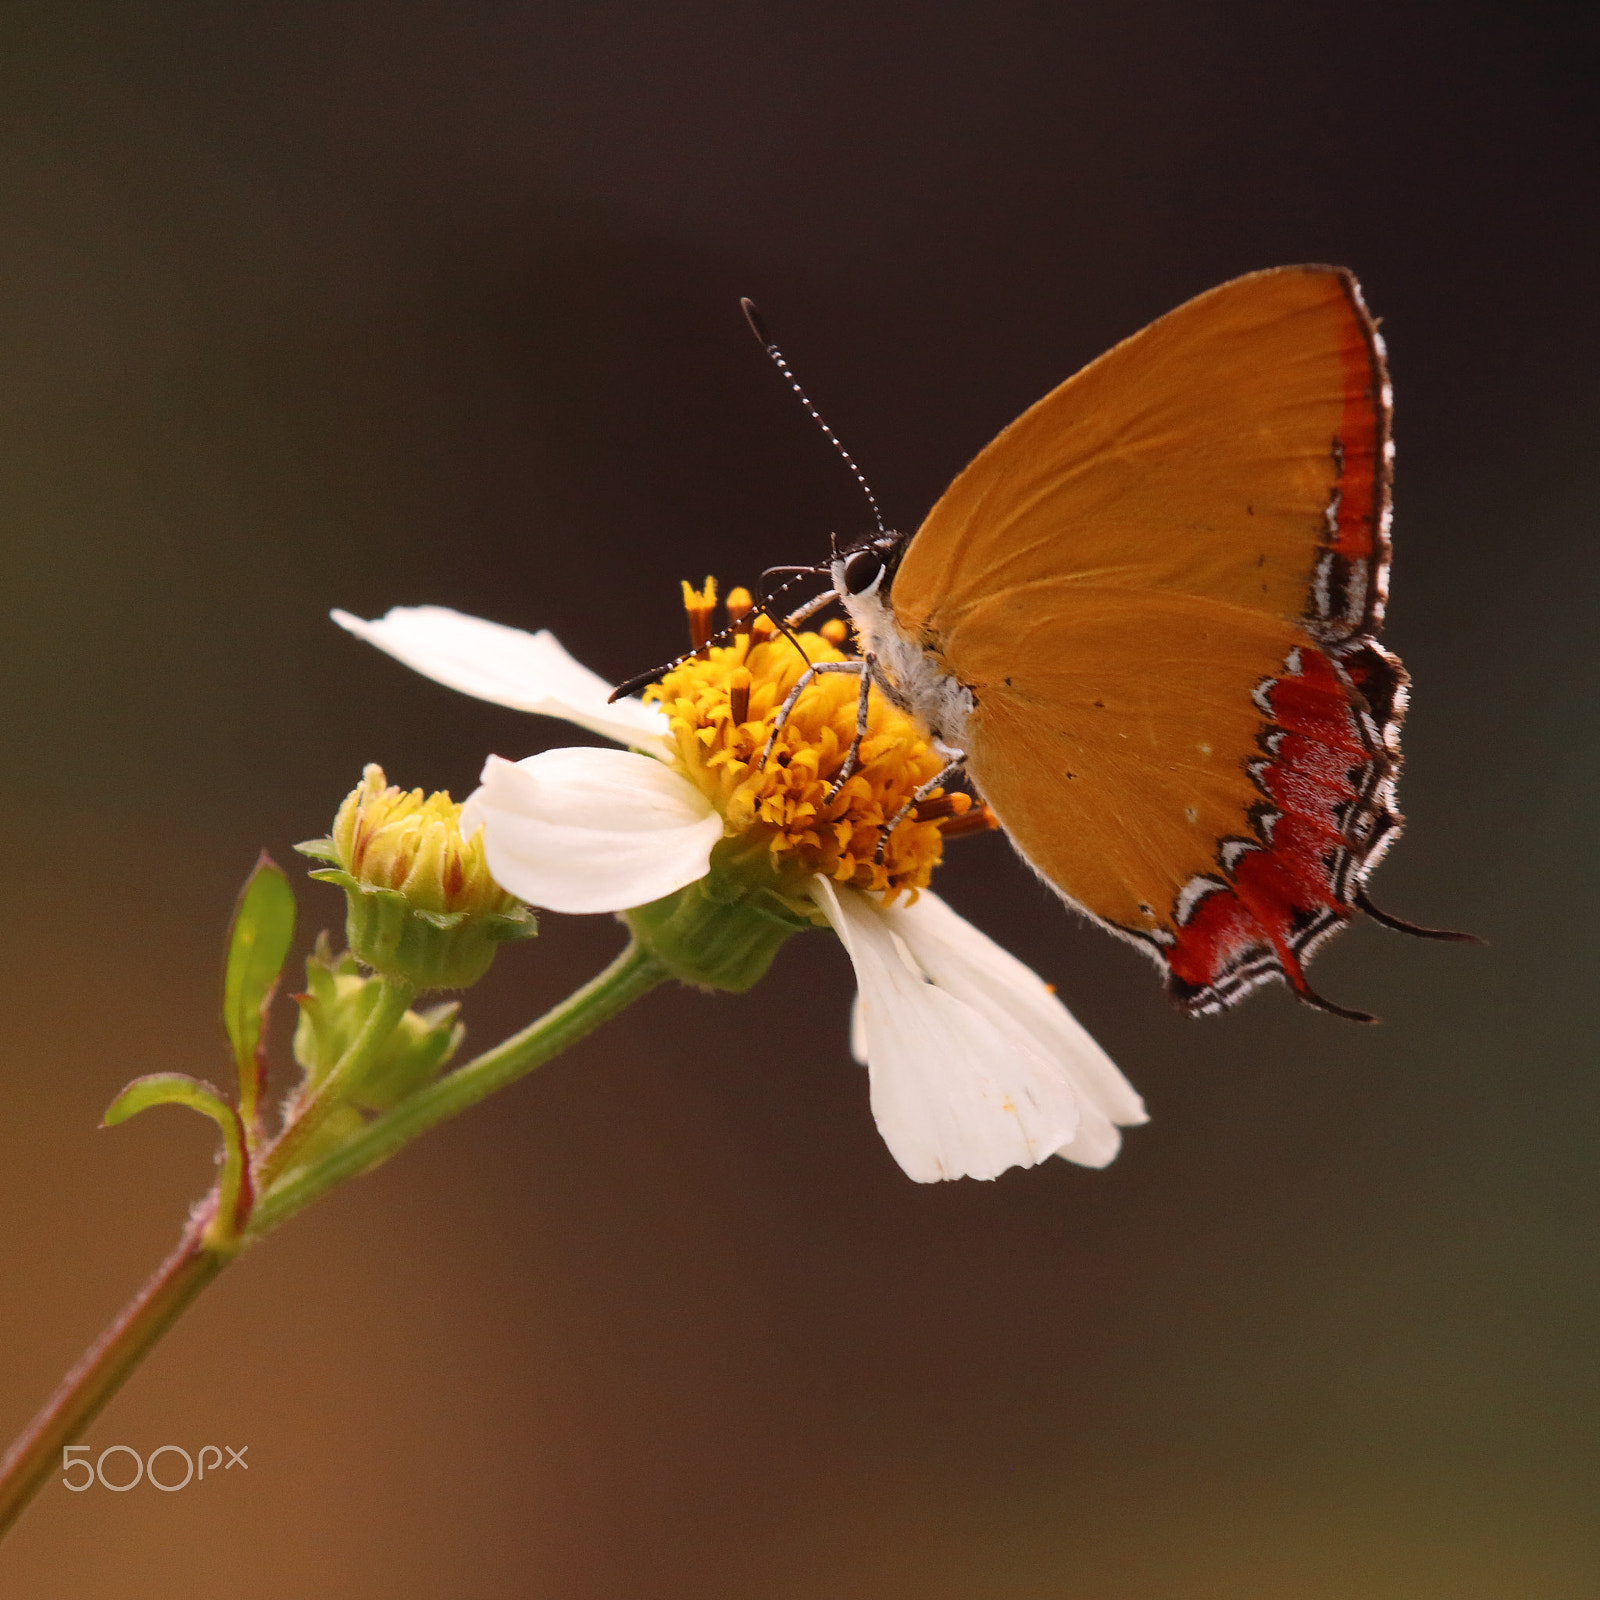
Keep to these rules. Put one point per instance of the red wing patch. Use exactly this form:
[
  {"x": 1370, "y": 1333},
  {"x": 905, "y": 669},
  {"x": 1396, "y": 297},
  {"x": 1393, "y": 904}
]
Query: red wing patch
[{"x": 1327, "y": 779}]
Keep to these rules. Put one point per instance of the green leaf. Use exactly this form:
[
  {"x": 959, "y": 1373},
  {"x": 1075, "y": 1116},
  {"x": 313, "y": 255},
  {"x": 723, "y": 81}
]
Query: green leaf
[
  {"x": 169, "y": 1089},
  {"x": 234, "y": 1196},
  {"x": 258, "y": 945}
]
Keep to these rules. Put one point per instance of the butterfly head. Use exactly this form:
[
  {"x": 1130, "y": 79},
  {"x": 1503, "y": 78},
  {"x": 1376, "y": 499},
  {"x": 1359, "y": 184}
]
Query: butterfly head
[
  {"x": 862, "y": 576},
  {"x": 867, "y": 568}
]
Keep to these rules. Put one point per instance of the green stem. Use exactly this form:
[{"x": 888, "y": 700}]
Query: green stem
[
  {"x": 634, "y": 973},
  {"x": 394, "y": 1000},
  {"x": 84, "y": 1391},
  {"x": 112, "y": 1358}
]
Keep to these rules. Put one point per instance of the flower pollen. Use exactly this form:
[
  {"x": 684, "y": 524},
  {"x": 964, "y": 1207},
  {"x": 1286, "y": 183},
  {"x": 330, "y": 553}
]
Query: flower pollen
[{"x": 722, "y": 706}]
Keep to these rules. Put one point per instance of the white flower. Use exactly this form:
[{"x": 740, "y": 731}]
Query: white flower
[{"x": 974, "y": 1064}]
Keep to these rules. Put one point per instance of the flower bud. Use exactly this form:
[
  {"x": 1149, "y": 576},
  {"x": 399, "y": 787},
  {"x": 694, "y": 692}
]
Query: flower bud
[
  {"x": 334, "y": 1009},
  {"x": 422, "y": 906}
]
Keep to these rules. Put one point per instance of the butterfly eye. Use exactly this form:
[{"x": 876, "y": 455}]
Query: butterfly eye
[{"x": 862, "y": 571}]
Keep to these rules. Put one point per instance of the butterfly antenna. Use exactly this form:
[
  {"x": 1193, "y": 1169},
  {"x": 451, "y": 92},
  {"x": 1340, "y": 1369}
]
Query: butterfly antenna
[{"x": 759, "y": 328}]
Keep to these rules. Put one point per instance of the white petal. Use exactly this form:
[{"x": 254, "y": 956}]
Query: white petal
[
  {"x": 858, "y": 1032},
  {"x": 971, "y": 965},
  {"x": 526, "y": 671},
  {"x": 956, "y": 1092},
  {"x": 968, "y": 963},
  {"x": 591, "y": 830},
  {"x": 1097, "y": 1140}
]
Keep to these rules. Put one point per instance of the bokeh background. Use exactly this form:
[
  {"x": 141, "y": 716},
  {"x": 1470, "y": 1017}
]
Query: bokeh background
[{"x": 352, "y": 304}]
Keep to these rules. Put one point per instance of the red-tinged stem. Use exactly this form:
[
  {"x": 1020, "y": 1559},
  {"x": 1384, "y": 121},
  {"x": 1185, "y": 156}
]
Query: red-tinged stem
[{"x": 106, "y": 1366}]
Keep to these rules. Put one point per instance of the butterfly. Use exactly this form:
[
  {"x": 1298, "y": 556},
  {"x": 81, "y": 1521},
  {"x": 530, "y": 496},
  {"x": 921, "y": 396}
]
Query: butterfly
[{"x": 1144, "y": 620}]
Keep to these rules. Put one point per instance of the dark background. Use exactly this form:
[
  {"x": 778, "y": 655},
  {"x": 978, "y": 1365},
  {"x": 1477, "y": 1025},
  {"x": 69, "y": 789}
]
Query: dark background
[{"x": 312, "y": 305}]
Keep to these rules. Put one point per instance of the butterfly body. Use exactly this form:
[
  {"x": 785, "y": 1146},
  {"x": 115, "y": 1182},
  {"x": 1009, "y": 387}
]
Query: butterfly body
[
  {"x": 915, "y": 678},
  {"x": 1146, "y": 616}
]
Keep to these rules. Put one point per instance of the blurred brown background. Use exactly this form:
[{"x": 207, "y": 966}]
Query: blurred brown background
[{"x": 338, "y": 304}]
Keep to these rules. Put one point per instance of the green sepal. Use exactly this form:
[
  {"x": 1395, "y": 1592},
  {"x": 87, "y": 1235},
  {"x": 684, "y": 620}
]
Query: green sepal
[
  {"x": 319, "y": 850},
  {"x": 430, "y": 949},
  {"x": 258, "y": 944},
  {"x": 421, "y": 1048},
  {"x": 341, "y": 1124},
  {"x": 234, "y": 1196},
  {"x": 442, "y": 919},
  {"x": 329, "y": 1021},
  {"x": 723, "y": 930}
]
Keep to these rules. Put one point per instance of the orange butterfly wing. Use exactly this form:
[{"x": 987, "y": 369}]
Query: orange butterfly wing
[{"x": 1160, "y": 584}]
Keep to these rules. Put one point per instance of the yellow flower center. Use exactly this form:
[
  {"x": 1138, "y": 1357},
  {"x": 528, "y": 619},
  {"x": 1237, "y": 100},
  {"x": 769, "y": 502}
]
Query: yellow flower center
[{"x": 722, "y": 706}]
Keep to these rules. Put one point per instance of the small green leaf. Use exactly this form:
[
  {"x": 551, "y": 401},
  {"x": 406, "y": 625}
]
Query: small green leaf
[
  {"x": 258, "y": 945},
  {"x": 169, "y": 1089},
  {"x": 234, "y": 1196}
]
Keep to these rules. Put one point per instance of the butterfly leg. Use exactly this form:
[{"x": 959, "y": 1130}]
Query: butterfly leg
[
  {"x": 954, "y": 761},
  {"x": 869, "y": 665},
  {"x": 801, "y": 684}
]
